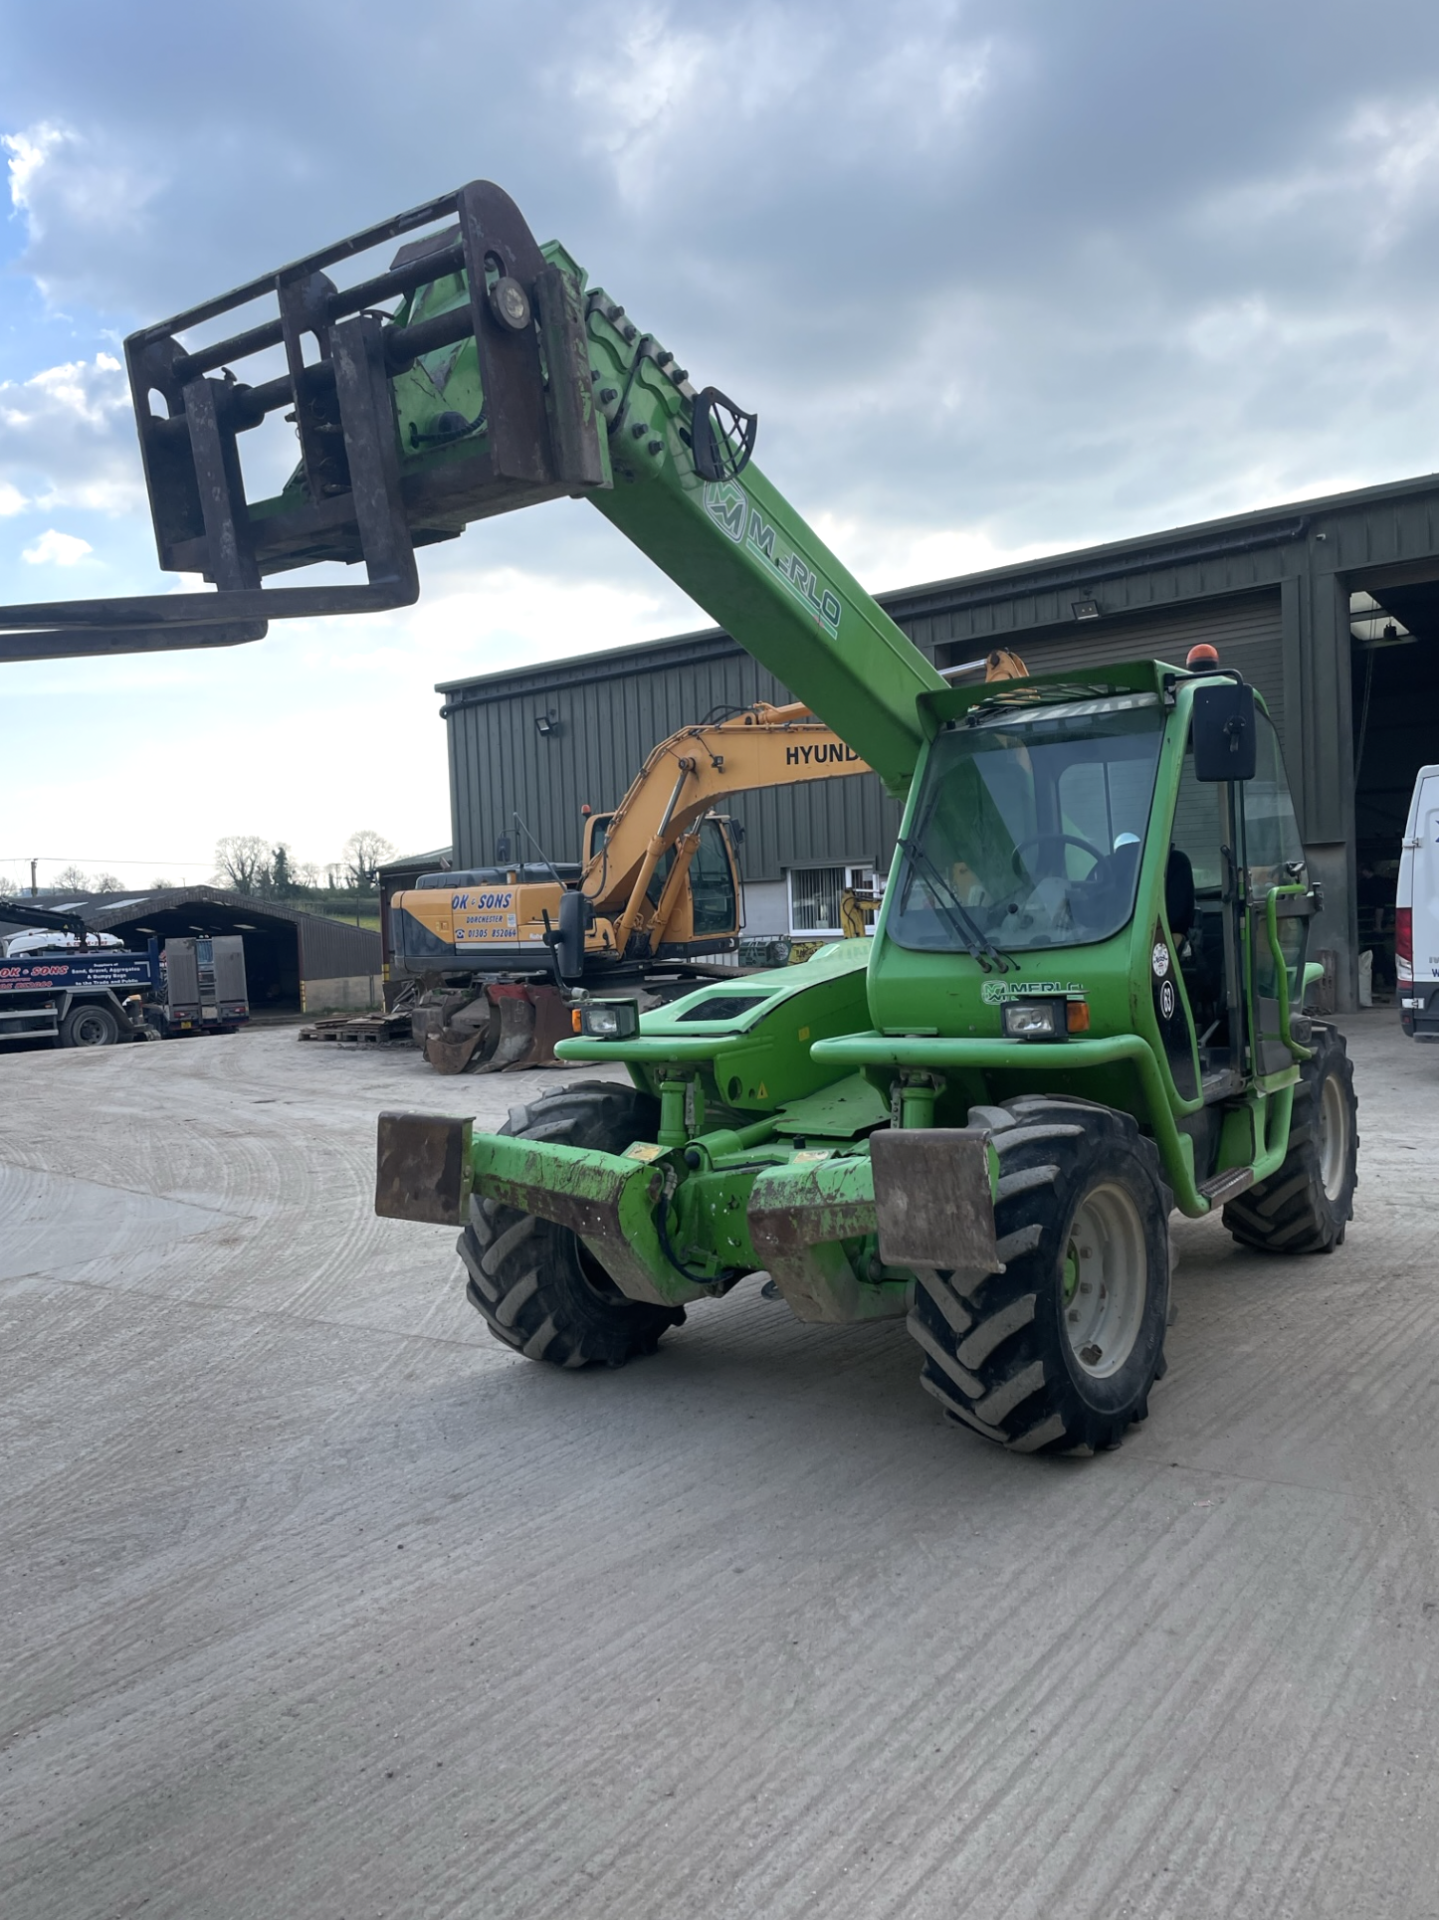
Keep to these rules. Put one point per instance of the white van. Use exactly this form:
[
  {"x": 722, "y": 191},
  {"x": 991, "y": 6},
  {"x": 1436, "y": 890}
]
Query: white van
[{"x": 1416, "y": 934}]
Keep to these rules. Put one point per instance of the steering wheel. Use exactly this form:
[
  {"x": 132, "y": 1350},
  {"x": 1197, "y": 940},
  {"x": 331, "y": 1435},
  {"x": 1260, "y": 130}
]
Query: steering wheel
[{"x": 1043, "y": 839}]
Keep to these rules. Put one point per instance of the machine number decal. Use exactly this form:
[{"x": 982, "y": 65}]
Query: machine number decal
[
  {"x": 728, "y": 505},
  {"x": 1160, "y": 959},
  {"x": 1167, "y": 1000}
]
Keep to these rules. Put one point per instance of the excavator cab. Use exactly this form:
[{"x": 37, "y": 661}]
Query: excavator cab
[{"x": 711, "y": 906}]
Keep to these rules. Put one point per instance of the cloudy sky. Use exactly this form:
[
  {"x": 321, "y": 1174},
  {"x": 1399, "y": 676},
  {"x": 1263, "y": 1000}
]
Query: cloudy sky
[{"x": 1001, "y": 277}]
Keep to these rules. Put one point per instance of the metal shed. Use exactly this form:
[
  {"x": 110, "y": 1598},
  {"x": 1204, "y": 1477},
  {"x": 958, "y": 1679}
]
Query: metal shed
[
  {"x": 294, "y": 961},
  {"x": 1330, "y": 606}
]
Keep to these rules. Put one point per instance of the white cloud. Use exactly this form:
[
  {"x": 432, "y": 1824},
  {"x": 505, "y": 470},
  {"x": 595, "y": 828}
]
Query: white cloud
[
  {"x": 57, "y": 549},
  {"x": 12, "y": 501},
  {"x": 59, "y": 177},
  {"x": 68, "y": 430},
  {"x": 28, "y": 152}
]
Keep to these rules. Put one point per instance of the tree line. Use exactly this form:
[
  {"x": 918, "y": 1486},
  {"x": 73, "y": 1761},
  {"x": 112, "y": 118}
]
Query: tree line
[{"x": 248, "y": 863}]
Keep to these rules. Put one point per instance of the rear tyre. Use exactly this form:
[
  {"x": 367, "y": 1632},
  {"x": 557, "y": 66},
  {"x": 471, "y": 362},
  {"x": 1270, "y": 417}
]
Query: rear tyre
[
  {"x": 1305, "y": 1207},
  {"x": 538, "y": 1287},
  {"x": 1057, "y": 1354},
  {"x": 88, "y": 1025}
]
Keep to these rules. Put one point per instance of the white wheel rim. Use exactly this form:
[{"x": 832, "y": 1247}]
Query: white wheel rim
[
  {"x": 1333, "y": 1136},
  {"x": 1104, "y": 1281}
]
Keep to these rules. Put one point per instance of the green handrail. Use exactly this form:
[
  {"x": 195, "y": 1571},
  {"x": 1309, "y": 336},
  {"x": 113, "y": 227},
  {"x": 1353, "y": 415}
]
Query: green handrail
[{"x": 1281, "y": 967}]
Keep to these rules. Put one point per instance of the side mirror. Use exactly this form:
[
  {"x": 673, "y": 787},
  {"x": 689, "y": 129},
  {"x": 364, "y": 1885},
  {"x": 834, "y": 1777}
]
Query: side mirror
[
  {"x": 1224, "y": 733},
  {"x": 502, "y": 850}
]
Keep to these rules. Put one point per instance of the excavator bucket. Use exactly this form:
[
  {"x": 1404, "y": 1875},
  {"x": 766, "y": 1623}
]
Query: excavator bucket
[
  {"x": 523, "y": 1026},
  {"x": 449, "y": 1050},
  {"x": 476, "y": 306}
]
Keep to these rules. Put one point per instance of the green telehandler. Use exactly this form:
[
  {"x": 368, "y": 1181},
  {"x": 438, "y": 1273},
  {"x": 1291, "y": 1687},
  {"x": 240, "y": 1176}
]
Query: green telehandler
[{"x": 1082, "y": 1003}]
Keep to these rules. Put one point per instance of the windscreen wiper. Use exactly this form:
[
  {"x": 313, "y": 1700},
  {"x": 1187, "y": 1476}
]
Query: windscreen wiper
[{"x": 972, "y": 936}]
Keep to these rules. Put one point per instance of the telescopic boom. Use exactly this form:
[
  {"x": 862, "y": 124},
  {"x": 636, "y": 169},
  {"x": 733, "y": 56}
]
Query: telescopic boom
[{"x": 473, "y": 376}]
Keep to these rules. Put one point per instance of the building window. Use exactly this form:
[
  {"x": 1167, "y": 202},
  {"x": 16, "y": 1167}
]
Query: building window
[{"x": 815, "y": 894}]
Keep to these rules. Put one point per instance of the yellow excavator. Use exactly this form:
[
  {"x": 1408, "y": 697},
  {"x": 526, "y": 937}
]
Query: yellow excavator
[{"x": 498, "y": 955}]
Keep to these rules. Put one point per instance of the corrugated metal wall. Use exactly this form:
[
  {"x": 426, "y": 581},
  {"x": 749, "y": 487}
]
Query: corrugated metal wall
[
  {"x": 1247, "y": 630},
  {"x": 331, "y": 951},
  {"x": 606, "y": 716}
]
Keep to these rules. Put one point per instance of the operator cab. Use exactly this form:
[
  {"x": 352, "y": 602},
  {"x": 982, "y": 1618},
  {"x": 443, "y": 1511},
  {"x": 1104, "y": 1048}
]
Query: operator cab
[{"x": 1029, "y": 835}]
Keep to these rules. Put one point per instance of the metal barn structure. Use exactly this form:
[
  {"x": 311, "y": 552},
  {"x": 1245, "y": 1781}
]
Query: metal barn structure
[
  {"x": 295, "y": 962},
  {"x": 1330, "y": 607}
]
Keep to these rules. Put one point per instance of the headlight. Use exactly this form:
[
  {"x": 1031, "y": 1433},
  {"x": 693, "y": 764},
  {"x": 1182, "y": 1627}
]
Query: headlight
[
  {"x": 1031, "y": 1020},
  {"x": 609, "y": 1020}
]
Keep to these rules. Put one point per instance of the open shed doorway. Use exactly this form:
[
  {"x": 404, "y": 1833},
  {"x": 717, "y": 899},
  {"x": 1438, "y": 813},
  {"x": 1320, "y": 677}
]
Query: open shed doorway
[
  {"x": 272, "y": 953},
  {"x": 1395, "y": 668}
]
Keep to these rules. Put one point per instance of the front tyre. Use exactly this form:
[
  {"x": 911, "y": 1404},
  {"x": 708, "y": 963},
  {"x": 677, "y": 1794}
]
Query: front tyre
[
  {"x": 1057, "y": 1354},
  {"x": 1305, "y": 1207},
  {"x": 537, "y": 1286}
]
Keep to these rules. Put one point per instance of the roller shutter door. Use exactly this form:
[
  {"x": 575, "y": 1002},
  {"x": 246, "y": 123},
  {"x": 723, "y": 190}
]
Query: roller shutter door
[{"x": 1246, "y": 631}]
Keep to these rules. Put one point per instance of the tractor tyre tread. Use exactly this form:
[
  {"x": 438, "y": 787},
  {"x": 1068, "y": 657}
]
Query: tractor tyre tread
[
  {"x": 996, "y": 1355},
  {"x": 539, "y": 1291},
  {"x": 1290, "y": 1213}
]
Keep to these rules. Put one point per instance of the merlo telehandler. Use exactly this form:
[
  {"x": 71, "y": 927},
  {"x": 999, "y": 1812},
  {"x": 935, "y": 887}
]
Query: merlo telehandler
[{"x": 1081, "y": 1004}]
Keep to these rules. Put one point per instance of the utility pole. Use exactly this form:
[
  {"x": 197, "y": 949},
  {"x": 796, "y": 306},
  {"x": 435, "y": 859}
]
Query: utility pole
[{"x": 33, "y": 888}]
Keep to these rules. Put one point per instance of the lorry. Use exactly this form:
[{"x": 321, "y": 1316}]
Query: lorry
[
  {"x": 205, "y": 986},
  {"x": 61, "y": 982},
  {"x": 1082, "y": 1003},
  {"x": 1416, "y": 912}
]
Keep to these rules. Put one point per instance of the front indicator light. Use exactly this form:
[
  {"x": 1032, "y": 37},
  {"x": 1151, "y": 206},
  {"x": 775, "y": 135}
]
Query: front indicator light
[
  {"x": 1031, "y": 1020},
  {"x": 610, "y": 1020},
  {"x": 1077, "y": 1016}
]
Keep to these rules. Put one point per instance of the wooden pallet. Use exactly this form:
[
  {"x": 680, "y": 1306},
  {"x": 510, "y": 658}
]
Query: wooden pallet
[{"x": 362, "y": 1030}]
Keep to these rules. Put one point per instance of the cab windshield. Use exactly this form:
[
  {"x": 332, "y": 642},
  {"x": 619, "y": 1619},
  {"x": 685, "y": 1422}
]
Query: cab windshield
[{"x": 1029, "y": 828}]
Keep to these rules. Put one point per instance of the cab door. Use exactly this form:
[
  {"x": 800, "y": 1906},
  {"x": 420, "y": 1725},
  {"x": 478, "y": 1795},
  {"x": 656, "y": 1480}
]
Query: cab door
[
  {"x": 714, "y": 881},
  {"x": 1278, "y": 904}
]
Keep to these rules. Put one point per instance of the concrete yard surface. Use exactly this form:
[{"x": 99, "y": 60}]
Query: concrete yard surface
[{"x": 317, "y": 1602}]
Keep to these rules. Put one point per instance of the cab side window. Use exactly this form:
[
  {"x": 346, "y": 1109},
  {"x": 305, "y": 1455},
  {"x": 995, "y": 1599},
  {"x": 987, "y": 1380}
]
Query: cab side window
[
  {"x": 1196, "y": 827},
  {"x": 1271, "y": 832}
]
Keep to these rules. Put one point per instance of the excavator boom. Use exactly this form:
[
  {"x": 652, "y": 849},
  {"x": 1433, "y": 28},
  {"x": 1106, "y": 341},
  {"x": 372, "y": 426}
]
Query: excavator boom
[
  {"x": 473, "y": 375},
  {"x": 698, "y": 769}
]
